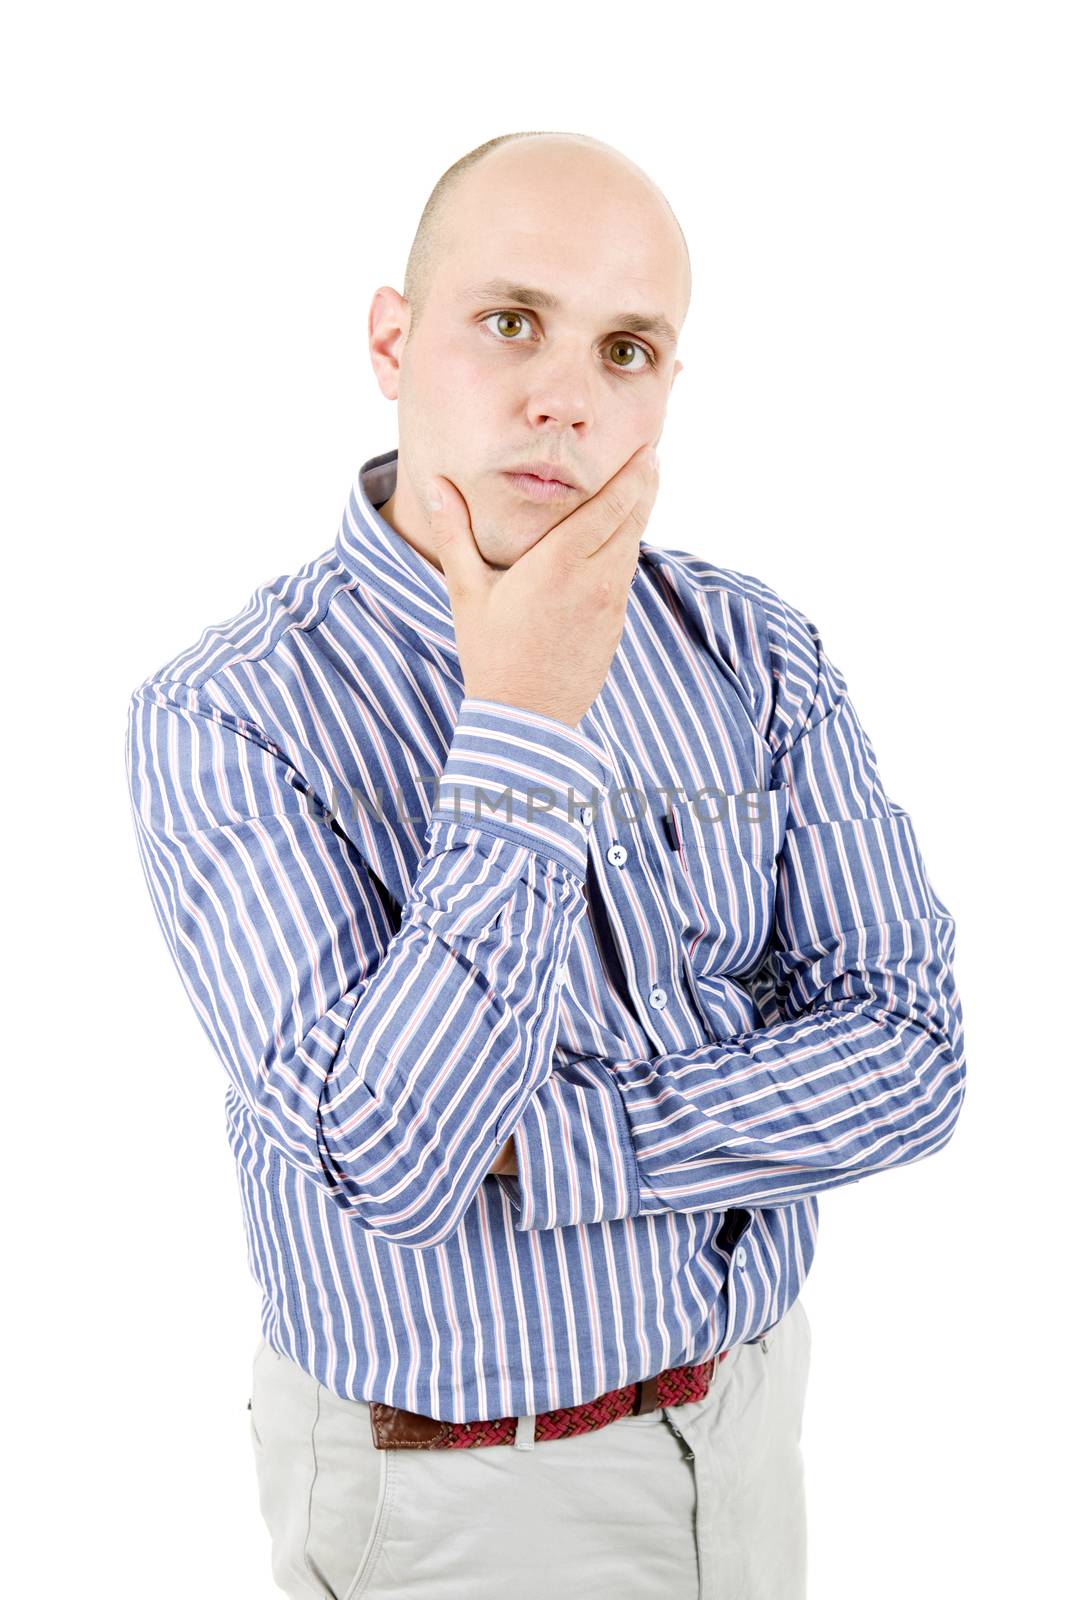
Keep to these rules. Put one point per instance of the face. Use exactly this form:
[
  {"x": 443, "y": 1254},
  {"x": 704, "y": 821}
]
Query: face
[{"x": 547, "y": 336}]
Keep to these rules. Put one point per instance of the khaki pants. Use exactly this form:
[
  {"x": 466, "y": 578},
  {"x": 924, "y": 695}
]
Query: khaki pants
[{"x": 703, "y": 1501}]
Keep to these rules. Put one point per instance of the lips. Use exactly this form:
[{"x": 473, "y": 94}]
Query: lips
[
  {"x": 547, "y": 471},
  {"x": 532, "y": 487}
]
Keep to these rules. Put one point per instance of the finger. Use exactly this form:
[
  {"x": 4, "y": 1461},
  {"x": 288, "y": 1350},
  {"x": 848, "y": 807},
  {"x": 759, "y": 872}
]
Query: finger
[
  {"x": 595, "y": 521},
  {"x": 453, "y": 539},
  {"x": 622, "y": 548}
]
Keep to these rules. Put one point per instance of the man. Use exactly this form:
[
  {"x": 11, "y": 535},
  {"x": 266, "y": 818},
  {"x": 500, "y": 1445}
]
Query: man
[{"x": 537, "y": 887}]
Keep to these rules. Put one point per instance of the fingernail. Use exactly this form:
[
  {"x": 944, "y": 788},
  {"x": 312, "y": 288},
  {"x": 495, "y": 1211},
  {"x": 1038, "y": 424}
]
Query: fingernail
[
  {"x": 653, "y": 456},
  {"x": 433, "y": 497}
]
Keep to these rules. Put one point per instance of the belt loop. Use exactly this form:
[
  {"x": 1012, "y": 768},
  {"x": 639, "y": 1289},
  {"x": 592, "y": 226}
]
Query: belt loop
[{"x": 524, "y": 1433}]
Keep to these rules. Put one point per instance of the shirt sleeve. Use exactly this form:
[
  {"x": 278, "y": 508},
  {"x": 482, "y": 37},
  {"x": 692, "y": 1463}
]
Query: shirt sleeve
[
  {"x": 863, "y": 1066},
  {"x": 387, "y": 1063}
]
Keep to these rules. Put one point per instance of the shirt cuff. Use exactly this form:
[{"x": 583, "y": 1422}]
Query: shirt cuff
[
  {"x": 529, "y": 777},
  {"x": 574, "y": 1153}
]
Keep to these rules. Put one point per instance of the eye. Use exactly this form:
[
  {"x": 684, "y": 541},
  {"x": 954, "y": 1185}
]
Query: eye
[
  {"x": 629, "y": 347},
  {"x": 505, "y": 316},
  {"x": 636, "y": 349}
]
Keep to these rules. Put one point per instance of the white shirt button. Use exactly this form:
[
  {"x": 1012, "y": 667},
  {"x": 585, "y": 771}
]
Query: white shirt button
[
  {"x": 617, "y": 854},
  {"x": 657, "y": 997},
  {"x": 587, "y": 815},
  {"x": 739, "y": 1255}
]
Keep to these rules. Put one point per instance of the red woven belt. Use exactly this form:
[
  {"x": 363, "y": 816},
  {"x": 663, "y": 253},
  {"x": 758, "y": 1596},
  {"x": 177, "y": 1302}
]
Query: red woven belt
[{"x": 394, "y": 1429}]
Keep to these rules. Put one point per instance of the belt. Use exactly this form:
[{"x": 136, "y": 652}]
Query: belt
[{"x": 394, "y": 1429}]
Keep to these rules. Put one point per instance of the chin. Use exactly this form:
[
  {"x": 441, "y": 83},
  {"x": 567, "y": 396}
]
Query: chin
[{"x": 503, "y": 539}]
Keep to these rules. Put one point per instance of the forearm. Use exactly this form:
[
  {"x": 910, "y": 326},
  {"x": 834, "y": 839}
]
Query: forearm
[
  {"x": 455, "y": 1029},
  {"x": 865, "y": 1071},
  {"x": 389, "y": 1066}
]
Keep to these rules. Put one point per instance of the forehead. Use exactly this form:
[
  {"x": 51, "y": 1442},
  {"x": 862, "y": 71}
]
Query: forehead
[
  {"x": 582, "y": 228},
  {"x": 581, "y": 271}
]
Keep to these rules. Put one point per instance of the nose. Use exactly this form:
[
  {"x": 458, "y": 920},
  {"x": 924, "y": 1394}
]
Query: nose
[{"x": 560, "y": 390}]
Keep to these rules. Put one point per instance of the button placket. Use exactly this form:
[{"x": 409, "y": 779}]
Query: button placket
[
  {"x": 650, "y": 956},
  {"x": 655, "y": 995}
]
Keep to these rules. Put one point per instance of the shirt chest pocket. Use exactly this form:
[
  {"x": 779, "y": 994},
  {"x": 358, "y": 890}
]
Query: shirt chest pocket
[{"x": 726, "y": 873}]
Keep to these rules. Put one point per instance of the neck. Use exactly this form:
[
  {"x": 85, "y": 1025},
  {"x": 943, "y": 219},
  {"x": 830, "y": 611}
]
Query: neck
[{"x": 404, "y": 515}]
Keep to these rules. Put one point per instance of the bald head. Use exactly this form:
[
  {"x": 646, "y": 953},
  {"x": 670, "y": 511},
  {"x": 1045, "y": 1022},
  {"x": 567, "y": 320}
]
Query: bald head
[
  {"x": 548, "y": 283},
  {"x": 532, "y": 160}
]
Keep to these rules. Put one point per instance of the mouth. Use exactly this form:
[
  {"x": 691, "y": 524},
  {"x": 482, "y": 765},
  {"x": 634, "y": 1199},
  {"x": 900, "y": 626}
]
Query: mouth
[{"x": 537, "y": 483}]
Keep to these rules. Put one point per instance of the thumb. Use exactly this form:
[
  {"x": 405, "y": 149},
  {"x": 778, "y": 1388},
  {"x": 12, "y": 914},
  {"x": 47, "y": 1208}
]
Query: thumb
[{"x": 450, "y": 529}]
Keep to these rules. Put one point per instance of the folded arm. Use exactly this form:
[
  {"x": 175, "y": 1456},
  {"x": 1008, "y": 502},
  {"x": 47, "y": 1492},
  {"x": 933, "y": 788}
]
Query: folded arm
[
  {"x": 382, "y": 1062},
  {"x": 864, "y": 1069}
]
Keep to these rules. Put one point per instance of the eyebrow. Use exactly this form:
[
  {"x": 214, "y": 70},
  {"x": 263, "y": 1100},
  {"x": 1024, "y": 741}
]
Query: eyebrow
[{"x": 541, "y": 300}]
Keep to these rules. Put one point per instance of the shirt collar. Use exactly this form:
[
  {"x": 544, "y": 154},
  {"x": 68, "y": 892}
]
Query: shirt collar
[{"x": 385, "y": 563}]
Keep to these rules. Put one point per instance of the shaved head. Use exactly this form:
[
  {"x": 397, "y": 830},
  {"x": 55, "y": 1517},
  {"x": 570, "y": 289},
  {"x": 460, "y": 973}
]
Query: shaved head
[
  {"x": 432, "y": 231},
  {"x": 544, "y": 296}
]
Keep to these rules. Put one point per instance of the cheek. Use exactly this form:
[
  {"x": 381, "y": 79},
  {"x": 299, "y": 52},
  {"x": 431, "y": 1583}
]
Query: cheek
[
  {"x": 636, "y": 419},
  {"x": 650, "y": 404},
  {"x": 444, "y": 382},
  {"x": 458, "y": 376}
]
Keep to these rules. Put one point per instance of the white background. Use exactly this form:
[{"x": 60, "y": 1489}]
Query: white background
[{"x": 199, "y": 203}]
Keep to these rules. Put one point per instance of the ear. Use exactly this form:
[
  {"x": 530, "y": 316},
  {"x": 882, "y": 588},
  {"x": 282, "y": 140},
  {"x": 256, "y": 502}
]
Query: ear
[{"x": 387, "y": 327}]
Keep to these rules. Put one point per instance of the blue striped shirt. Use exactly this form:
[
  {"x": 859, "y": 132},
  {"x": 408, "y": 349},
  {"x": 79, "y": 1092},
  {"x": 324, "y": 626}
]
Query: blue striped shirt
[{"x": 687, "y": 953}]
